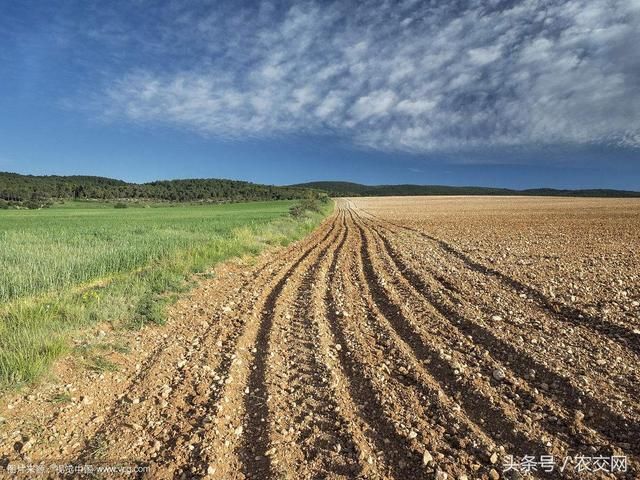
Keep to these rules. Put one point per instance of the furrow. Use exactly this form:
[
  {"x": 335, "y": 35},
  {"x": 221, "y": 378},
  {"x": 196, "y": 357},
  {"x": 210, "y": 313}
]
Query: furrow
[
  {"x": 220, "y": 447},
  {"x": 433, "y": 364},
  {"x": 404, "y": 421},
  {"x": 568, "y": 349},
  {"x": 600, "y": 417},
  {"x": 543, "y": 419},
  {"x": 613, "y": 331},
  {"x": 156, "y": 394},
  {"x": 323, "y": 319},
  {"x": 308, "y": 433}
]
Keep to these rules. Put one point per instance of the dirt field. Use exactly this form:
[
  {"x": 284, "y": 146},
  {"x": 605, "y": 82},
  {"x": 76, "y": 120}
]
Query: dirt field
[{"x": 405, "y": 338}]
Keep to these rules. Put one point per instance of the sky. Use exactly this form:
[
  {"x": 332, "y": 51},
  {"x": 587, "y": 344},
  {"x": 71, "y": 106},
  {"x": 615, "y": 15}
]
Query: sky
[{"x": 517, "y": 94}]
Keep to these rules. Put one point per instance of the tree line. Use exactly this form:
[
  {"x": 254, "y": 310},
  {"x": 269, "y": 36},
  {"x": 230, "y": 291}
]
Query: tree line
[
  {"x": 38, "y": 191},
  {"x": 349, "y": 189}
]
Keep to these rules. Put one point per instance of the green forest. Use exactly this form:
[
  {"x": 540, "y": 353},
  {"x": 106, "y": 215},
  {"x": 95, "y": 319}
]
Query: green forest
[{"x": 39, "y": 191}]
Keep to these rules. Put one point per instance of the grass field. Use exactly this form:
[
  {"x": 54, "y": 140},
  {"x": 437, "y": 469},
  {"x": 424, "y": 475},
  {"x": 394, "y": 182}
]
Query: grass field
[{"x": 81, "y": 263}]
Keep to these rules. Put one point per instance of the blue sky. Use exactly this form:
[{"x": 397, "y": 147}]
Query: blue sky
[{"x": 502, "y": 93}]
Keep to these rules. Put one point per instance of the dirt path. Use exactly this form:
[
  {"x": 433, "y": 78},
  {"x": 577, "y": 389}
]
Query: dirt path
[{"x": 368, "y": 350}]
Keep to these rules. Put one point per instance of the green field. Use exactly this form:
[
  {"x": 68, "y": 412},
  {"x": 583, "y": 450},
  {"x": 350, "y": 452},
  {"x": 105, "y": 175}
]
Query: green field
[{"x": 67, "y": 267}]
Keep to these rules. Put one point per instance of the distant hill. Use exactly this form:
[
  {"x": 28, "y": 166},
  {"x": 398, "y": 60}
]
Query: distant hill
[
  {"x": 34, "y": 190},
  {"x": 348, "y": 189}
]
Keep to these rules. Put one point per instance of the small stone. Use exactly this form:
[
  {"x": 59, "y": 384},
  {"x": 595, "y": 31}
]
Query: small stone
[
  {"x": 635, "y": 303},
  {"x": 211, "y": 470},
  {"x": 226, "y": 309},
  {"x": 463, "y": 477},
  {"x": 238, "y": 431},
  {"x": 426, "y": 458},
  {"x": 579, "y": 416},
  {"x": 338, "y": 347},
  {"x": 412, "y": 435},
  {"x": 493, "y": 474},
  {"x": 496, "y": 318},
  {"x": 440, "y": 475},
  {"x": 499, "y": 374},
  {"x": 601, "y": 361},
  {"x": 493, "y": 458},
  {"x": 26, "y": 446},
  {"x": 135, "y": 401}
]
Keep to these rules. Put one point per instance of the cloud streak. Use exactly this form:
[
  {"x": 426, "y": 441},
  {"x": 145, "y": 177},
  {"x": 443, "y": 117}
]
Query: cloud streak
[{"x": 395, "y": 76}]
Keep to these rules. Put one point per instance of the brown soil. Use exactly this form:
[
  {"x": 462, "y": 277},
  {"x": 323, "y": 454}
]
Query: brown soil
[{"x": 396, "y": 341}]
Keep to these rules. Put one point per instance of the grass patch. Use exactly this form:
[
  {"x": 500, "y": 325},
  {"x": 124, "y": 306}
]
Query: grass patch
[
  {"x": 72, "y": 267},
  {"x": 61, "y": 397},
  {"x": 99, "y": 364}
]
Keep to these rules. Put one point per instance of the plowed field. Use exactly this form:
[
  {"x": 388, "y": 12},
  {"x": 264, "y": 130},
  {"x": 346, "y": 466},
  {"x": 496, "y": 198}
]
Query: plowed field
[{"x": 405, "y": 338}]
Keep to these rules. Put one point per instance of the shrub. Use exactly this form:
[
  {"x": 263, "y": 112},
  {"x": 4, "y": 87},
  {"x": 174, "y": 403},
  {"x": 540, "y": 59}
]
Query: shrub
[
  {"x": 121, "y": 205},
  {"x": 296, "y": 211},
  {"x": 306, "y": 205},
  {"x": 34, "y": 205},
  {"x": 310, "y": 204}
]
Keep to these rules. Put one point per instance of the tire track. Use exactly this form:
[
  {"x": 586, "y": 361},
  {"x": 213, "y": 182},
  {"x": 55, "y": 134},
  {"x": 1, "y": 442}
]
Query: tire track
[
  {"x": 324, "y": 308},
  {"x": 307, "y": 423},
  {"x": 485, "y": 413},
  {"x": 224, "y": 438},
  {"x": 408, "y": 417},
  {"x": 256, "y": 463},
  {"x": 361, "y": 389},
  {"x": 182, "y": 396},
  {"x": 152, "y": 371}
]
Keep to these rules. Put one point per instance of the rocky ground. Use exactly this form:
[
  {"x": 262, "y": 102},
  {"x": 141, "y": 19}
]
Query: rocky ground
[{"x": 397, "y": 341}]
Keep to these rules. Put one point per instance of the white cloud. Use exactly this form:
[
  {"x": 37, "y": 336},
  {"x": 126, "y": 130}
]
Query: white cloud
[
  {"x": 373, "y": 105},
  {"x": 410, "y": 77},
  {"x": 484, "y": 55}
]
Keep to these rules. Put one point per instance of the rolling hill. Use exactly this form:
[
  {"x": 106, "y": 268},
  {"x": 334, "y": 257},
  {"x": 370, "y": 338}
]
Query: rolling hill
[
  {"x": 17, "y": 189},
  {"x": 348, "y": 189}
]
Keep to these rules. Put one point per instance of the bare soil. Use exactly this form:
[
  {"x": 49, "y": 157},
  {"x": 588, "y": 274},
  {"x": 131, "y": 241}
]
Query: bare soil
[{"x": 405, "y": 338}]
